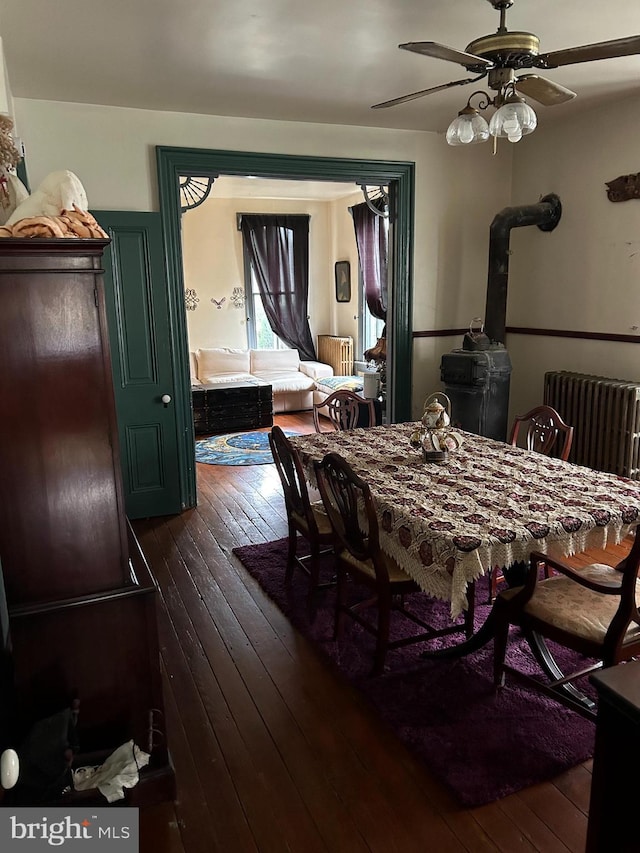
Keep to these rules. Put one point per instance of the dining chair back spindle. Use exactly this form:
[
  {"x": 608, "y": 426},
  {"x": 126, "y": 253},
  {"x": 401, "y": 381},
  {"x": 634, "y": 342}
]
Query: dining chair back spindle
[
  {"x": 305, "y": 517},
  {"x": 345, "y": 410},
  {"x": 543, "y": 430},
  {"x": 349, "y": 505}
]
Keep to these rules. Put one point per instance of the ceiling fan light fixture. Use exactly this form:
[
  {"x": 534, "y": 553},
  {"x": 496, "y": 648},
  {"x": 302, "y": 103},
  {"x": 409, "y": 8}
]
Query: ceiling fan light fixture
[
  {"x": 513, "y": 120},
  {"x": 468, "y": 128}
]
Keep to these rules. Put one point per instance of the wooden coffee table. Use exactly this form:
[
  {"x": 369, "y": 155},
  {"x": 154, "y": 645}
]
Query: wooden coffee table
[{"x": 229, "y": 406}]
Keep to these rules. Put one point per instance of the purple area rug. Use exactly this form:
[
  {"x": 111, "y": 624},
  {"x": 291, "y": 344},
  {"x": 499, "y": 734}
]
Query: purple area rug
[{"x": 483, "y": 745}]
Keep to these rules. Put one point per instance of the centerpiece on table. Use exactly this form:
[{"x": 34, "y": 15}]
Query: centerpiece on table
[{"x": 436, "y": 437}]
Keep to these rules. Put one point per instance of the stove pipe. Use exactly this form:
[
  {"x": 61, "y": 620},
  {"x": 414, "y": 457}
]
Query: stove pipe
[{"x": 546, "y": 215}]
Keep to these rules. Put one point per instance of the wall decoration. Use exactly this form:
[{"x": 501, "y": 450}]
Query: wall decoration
[
  {"x": 623, "y": 188},
  {"x": 191, "y": 299},
  {"x": 237, "y": 297},
  {"x": 194, "y": 191},
  {"x": 343, "y": 281},
  {"x": 219, "y": 302}
]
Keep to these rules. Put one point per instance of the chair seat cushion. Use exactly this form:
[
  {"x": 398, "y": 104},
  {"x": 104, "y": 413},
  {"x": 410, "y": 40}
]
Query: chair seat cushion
[
  {"x": 320, "y": 515},
  {"x": 565, "y": 604},
  {"x": 396, "y": 574}
]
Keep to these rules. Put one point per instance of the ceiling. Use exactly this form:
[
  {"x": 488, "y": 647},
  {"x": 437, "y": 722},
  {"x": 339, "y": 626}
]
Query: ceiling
[{"x": 291, "y": 59}]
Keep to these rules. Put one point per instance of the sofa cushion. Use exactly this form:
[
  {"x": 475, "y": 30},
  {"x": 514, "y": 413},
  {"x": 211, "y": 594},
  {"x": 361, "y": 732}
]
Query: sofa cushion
[
  {"x": 316, "y": 369},
  {"x": 222, "y": 378},
  {"x": 193, "y": 369},
  {"x": 340, "y": 383},
  {"x": 222, "y": 361},
  {"x": 285, "y": 380},
  {"x": 280, "y": 360}
]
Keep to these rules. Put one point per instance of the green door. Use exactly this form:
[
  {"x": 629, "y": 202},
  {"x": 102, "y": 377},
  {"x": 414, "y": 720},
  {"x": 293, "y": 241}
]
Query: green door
[{"x": 139, "y": 332}]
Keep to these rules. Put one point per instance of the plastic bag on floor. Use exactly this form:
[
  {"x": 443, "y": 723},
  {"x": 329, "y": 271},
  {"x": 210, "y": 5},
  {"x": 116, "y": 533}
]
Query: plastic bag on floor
[{"x": 119, "y": 771}]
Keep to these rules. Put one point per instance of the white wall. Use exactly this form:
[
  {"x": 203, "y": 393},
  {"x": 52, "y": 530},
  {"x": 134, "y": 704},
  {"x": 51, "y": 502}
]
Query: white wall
[
  {"x": 585, "y": 275},
  {"x": 458, "y": 191}
]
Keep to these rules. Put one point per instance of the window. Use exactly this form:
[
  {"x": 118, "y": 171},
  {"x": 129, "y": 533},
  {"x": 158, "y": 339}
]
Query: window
[
  {"x": 369, "y": 327},
  {"x": 260, "y": 335},
  {"x": 276, "y": 264}
]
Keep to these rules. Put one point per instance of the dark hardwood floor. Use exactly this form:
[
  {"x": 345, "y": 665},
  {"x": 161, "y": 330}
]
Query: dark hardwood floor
[{"x": 272, "y": 751}]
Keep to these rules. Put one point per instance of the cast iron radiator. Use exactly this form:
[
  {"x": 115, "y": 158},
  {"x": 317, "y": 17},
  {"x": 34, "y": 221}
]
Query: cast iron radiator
[
  {"x": 605, "y": 415},
  {"x": 337, "y": 352}
]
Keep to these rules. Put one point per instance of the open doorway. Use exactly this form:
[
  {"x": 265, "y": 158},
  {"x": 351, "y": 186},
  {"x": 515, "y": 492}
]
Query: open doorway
[
  {"x": 222, "y": 294},
  {"x": 398, "y": 176}
]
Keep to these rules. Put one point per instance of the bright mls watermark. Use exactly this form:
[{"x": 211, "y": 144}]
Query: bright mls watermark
[{"x": 81, "y": 829}]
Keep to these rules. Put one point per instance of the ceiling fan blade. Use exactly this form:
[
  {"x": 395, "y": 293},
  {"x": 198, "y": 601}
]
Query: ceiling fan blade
[
  {"x": 589, "y": 52},
  {"x": 542, "y": 90},
  {"x": 401, "y": 100},
  {"x": 441, "y": 51}
]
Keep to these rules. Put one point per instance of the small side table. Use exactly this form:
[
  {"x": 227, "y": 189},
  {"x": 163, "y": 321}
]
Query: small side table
[{"x": 615, "y": 790}]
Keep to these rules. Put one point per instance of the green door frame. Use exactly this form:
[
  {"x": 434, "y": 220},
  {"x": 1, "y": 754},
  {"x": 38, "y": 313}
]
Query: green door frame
[{"x": 399, "y": 175}]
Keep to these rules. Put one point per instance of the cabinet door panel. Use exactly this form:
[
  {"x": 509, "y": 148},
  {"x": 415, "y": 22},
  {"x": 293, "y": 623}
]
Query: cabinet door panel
[{"x": 61, "y": 512}]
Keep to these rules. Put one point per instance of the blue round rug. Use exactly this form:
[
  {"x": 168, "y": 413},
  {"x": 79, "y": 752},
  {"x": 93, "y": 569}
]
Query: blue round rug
[{"x": 238, "y": 448}]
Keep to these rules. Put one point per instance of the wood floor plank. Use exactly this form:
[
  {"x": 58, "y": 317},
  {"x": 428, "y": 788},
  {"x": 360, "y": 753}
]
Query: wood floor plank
[
  {"x": 203, "y": 825},
  {"x": 559, "y": 813},
  {"x": 502, "y": 831},
  {"x": 160, "y": 830},
  {"x": 575, "y": 784},
  {"x": 532, "y": 825},
  {"x": 241, "y": 733},
  {"x": 204, "y": 780}
]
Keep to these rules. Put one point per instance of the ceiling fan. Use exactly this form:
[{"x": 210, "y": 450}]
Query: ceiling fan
[{"x": 499, "y": 56}]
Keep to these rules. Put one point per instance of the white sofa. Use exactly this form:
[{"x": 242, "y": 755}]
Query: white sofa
[{"x": 293, "y": 381}]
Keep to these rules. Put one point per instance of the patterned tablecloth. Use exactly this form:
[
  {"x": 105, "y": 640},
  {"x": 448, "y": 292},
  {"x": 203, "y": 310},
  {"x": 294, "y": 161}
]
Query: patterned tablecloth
[{"x": 489, "y": 505}]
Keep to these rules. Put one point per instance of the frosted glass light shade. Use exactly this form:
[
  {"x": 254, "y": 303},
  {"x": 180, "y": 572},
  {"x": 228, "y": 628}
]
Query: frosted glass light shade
[
  {"x": 513, "y": 120},
  {"x": 468, "y": 128}
]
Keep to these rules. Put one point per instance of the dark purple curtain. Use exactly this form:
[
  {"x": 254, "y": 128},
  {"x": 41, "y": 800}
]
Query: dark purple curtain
[
  {"x": 278, "y": 246},
  {"x": 373, "y": 252}
]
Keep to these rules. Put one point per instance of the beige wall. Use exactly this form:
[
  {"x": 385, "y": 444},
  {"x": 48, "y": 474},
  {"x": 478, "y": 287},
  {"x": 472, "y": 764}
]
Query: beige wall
[
  {"x": 458, "y": 191},
  {"x": 213, "y": 265},
  {"x": 343, "y": 316},
  {"x": 6, "y": 98},
  {"x": 585, "y": 275}
]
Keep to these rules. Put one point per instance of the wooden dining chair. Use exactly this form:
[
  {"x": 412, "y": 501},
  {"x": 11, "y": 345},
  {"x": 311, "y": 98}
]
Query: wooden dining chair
[
  {"x": 360, "y": 558},
  {"x": 345, "y": 410},
  {"x": 543, "y": 431},
  {"x": 304, "y": 517},
  {"x": 592, "y": 610}
]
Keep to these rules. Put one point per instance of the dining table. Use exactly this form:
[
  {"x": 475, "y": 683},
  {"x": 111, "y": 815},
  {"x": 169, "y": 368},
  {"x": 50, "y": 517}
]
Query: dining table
[{"x": 488, "y": 506}]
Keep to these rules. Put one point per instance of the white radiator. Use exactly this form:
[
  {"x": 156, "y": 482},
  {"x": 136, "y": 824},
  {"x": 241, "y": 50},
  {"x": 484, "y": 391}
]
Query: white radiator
[
  {"x": 605, "y": 416},
  {"x": 337, "y": 352}
]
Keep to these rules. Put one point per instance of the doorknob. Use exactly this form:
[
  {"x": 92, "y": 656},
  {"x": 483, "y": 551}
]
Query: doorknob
[{"x": 166, "y": 399}]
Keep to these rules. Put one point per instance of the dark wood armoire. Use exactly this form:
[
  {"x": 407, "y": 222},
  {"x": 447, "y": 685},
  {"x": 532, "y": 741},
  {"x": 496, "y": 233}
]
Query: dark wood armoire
[{"x": 80, "y": 596}]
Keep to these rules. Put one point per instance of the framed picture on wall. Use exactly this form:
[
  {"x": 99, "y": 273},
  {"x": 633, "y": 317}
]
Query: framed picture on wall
[{"x": 343, "y": 281}]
